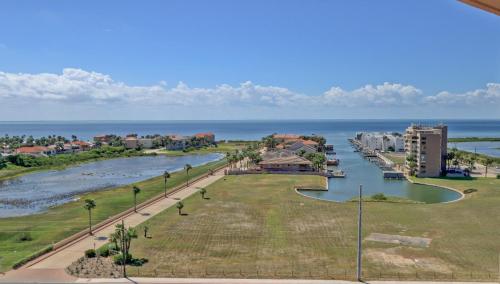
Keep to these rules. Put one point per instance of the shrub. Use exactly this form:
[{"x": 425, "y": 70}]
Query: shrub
[
  {"x": 90, "y": 253},
  {"x": 118, "y": 258},
  {"x": 103, "y": 251},
  {"x": 24, "y": 237},
  {"x": 470, "y": 190},
  {"x": 379, "y": 197},
  {"x": 138, "y": 261},
  {"x": 498, "y": 176}
]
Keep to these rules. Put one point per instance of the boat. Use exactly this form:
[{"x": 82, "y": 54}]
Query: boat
[{"x": 332, "y": 162}]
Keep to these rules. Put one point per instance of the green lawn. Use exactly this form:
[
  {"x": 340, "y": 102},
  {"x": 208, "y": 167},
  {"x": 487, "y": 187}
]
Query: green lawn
[
  {"x": 396, "y": 158},
  {"x": 258, "y": 223},
  {"x": 62, "y": 221}
]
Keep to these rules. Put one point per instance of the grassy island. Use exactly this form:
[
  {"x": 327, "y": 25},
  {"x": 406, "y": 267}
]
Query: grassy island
[{"x": 473, "y": 139}]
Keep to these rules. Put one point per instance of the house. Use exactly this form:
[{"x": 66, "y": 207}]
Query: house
[
  {"x": 291, "y": 163},
  {"x": 208, "y": 136},
  {"x": 300, "y": 146},
  {"x": 82, "y": 145},
  {"x": 146, "y": 143},
  {"x": 36, "y": 151},
  {"x": 177, "y": 142},
  {"x": 131, "y": 142},
  {"x": 103, "y": 138},
  {"x": 286, "y": 138}
]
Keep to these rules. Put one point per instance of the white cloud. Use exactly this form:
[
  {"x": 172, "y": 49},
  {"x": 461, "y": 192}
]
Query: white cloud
[{"x": 76, "y": 86}]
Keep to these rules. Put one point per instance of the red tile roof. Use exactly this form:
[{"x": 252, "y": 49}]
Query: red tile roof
[
  {"x": 286, "y": 136},
  {"x": 204, "y": 134},
  {"x": 31, "y": 150}
]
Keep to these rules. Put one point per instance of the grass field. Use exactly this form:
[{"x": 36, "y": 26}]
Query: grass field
[
  {"x": 62, "y": 221},
  {"x": 396, "y": 158},
  {"x": 257, "y": 226}
]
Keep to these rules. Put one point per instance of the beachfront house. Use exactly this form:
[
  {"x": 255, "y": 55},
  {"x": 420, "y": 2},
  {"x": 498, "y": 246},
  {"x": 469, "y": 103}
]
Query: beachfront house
[
  {"x": 208, "y": 137},
  {"x": 301, "y": 147},
  {"x": 146, "y": 143},
  {"x": 36, "y": 151},
  {"x": 131, "y": 142},
  {"x": 177, "y": 142}
]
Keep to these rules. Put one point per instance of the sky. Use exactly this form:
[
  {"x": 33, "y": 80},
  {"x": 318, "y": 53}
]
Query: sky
[{"x": 270, "y": 59}]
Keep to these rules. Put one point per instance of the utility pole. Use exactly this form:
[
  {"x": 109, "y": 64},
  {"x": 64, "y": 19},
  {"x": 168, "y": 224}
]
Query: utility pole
[
  {"x": 360, "y": 215},
  {"x": 123, "y": 250}
]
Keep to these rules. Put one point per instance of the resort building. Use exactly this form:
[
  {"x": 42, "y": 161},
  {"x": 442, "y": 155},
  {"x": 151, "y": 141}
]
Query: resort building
[
  {"x": 378, "y": 141},
  {"x": 177, "y": 142},
  {"x": 426, "y": 149},
  {"x": 103, "y": 138}
]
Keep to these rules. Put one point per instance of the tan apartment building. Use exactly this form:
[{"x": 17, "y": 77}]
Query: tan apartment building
[{"x": 428, "y": 147}]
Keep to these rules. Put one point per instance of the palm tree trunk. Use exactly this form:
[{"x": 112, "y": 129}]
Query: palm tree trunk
[{"x": 90, "y": 223}]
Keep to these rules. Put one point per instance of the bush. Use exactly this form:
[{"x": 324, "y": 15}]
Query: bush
[
  {"x": 130, "y": 260},
  {"x": 379, "y": 197},
  {"x": 24, "y": 237},
  {"x": 470, "y": 190},
  {"x": 498, "y": 176},
  {"x": 103, "y": 251},
  {"x": 90, "y": 253},
  {"x": 118, "y": 258}
]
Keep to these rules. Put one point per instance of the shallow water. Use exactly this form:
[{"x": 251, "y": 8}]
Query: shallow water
[
  {"x": 35, "y": 192},
  {"x": 487, "y": 148}
]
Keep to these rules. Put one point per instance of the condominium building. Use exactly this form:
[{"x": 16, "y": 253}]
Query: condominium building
[
  {"x": 426, "y": 149},
  {"x": 381, "y": 141}
]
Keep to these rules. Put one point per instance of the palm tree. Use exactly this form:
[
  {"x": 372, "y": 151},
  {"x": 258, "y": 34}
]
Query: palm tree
[
  {"x": 89, "y": 205},
  {"x": 488, "y": 162},
  {"x": 187, "y": 167},
  {"x": 203, "y": 191},
  {"x": 166, "y": 175},
  {"x": 136, "y": 191},
  {"x": 179, "y": 206}
]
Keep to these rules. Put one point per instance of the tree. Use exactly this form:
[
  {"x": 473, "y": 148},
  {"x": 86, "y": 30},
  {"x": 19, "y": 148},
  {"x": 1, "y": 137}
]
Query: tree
[
  {"x": 3, "y": 163},
  {"x": 74, "y": 138},
  {"x": 89, "y": 205},
  {"x": 187, "y": 167},
  {"x": 166, "y": 175},
  {"x": 449, "y": 158},
  {"x": 412, "y": 163},
  {"x": 488, "y": 162},
  {"x": 122, "y": 238},
  {"x": 203, "y": 191},
  {"x": 179, "y": 206},
  {"x": 136, "y": 191}
]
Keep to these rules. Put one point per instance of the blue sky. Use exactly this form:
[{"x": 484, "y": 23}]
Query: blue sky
[{"x": 247, "y": 59}]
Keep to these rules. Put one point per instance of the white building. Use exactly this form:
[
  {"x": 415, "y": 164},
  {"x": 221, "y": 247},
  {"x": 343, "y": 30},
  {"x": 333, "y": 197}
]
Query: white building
[
  {"x": 381, "y": 141},
  {"x": 146, "y": 143}
]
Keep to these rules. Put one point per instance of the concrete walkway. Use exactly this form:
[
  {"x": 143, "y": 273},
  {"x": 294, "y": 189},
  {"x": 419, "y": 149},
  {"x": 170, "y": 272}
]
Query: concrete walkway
[{"x": 51, "y": 269}]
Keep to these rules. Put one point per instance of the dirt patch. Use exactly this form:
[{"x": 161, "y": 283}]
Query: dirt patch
[
  {"x": 94, "y": 267},
  {"x": 390, "y": 257},
  {"x": 399, "y": 240}
]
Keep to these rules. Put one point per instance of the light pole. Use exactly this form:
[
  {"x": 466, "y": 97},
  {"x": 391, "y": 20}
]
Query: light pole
[{"x": 360, "y": 215}]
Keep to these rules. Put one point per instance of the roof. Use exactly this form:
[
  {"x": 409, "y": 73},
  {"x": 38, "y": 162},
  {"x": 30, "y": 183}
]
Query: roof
[
  {"x": 290, "y": 160},
  {"x": 176, "y": 137},
  {"x": 203, "y": 134},
  {"x": 33, "y": 149},
  {"x": 286, "y": 136},
  {"x": 131, "y": 138},
  {"x": 492, "y": 6},
  {"x": 80, "y": 143},
  {"x": 309, "y": 142}
]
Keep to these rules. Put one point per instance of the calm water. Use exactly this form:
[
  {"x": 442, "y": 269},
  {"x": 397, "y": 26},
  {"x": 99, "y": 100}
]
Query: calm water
[
  {"x": 337, "y": 132},
  {"x": 35, "y": 192},
  {"x": 487, "y": 148}
]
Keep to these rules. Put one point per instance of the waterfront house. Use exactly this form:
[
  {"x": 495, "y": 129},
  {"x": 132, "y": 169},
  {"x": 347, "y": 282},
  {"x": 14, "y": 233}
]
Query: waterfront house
[
  {"x": 82, "y": 145},
  {"x": 146, "y": 143},
  {"x": 177, "y": 142},
  {"x": 131, "y": 142},
  {"x": 291, "y": 163},
  {"x": 302, "y": 147},
  {"x": 103, "y": 138},
  {"x": 286, "y": 138},
  {"x": 36, "y": 151},
  {"x": 209, "y": 137}
]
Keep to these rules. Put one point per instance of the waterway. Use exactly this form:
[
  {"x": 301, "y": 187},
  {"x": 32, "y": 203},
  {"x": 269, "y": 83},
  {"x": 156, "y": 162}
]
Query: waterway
[{"x": 35, "y": 192}]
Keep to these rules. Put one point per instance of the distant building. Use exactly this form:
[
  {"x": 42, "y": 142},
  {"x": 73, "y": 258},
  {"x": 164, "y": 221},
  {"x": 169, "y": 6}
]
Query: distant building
[
  {"x": 381, "y": 141},
  {"x": 131, "y": 142},
  {"x": 426, "y": 149},
  {"x": 208, "y": 136},
  {"x": 292, "y": 163},
  {"x": 103, "y": 138},
  {"x": 300, "y": 146},
  {"x": 286, "y": 138},
  {"x": 146, "y": 143},
  {"x": 82, "y": 145},
  {"x": 177, "y": 142},
  {"x": 36, "y": 151}
]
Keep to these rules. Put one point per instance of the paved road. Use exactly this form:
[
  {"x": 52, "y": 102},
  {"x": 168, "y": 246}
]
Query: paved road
[{"x": 51, "y": 269}]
